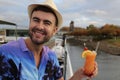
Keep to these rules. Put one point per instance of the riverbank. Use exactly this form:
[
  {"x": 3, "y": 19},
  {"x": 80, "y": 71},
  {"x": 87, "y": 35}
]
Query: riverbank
[{"x": 104, "y": 46}]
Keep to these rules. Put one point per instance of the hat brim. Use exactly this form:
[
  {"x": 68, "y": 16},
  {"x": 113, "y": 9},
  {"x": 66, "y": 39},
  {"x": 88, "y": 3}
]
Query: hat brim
[{"x": 59, "y": 16}]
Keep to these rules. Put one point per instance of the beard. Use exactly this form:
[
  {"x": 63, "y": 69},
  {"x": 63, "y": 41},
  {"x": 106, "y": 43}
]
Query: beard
[{"x": 36, "y": 41}]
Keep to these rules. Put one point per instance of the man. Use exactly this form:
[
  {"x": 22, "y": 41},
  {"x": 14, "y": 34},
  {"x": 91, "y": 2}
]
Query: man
[{"x": 29, "y": 59}]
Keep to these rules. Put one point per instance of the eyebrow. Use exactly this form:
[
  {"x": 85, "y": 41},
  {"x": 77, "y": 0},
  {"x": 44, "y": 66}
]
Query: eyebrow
[
  {"x": 47, "y": 21},
  {"x": 43, "y": 20},
  {"x": 35, "y": 18}
]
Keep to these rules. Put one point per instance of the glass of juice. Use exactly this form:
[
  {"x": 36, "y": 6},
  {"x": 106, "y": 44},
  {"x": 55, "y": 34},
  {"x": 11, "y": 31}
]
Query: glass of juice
[{"x": 89, "y": 64}]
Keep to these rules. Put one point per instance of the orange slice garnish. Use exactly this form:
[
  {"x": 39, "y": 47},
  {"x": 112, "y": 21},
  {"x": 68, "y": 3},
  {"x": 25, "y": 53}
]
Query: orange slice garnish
[{"x": 84, "y": 53}]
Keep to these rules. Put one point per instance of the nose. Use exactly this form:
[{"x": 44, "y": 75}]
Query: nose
[{"x": 41, "y": 25}]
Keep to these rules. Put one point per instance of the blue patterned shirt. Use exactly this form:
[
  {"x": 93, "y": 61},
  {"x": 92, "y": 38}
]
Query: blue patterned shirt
[{"x": 17, "y": 63}]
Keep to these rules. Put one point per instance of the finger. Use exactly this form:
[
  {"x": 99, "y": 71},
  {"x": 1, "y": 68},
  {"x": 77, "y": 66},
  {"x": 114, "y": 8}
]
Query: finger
[
  {"x": 88, "y": 78},
  {"x": 96, "y": 70},
  {"x": 95, "y": 63}
]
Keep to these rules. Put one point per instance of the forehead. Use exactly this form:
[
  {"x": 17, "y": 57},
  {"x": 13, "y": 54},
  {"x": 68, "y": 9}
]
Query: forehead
[{"x": 43, "y": 15}]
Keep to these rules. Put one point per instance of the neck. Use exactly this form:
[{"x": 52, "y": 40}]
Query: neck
[{"x": 36, "y": 49}]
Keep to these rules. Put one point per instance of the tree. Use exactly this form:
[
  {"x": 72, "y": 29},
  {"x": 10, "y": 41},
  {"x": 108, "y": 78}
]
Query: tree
[{"x": 93, "y": 31}]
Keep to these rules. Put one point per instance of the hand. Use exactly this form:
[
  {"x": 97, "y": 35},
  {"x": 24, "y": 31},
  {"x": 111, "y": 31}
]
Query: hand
[
  {"x": 79, "y": 74},
  {"x": 95, "y": 72}
]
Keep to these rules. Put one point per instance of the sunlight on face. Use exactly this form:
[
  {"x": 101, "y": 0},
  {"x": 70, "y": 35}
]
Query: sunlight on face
[{"x": 42, "y": 27}]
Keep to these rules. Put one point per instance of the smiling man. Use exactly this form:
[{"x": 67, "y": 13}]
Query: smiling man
[{"x": 29, "y": 59}]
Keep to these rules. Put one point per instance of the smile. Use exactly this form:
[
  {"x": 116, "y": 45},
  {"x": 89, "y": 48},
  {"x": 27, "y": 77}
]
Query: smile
[{"x": 35, "y": 30}]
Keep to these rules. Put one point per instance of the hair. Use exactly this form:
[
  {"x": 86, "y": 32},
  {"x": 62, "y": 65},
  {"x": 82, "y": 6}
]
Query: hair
[{"x": 45, "y": 9}]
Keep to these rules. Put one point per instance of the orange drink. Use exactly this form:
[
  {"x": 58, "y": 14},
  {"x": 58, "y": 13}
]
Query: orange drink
[{"x": 89, "y": 65}]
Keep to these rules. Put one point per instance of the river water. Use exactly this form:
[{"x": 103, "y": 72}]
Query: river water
[{"x": 108, "y": 65}]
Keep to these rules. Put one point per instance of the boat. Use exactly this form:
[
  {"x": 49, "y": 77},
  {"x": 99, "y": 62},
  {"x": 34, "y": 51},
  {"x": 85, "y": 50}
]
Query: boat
[{"x": 64, "y": 61}]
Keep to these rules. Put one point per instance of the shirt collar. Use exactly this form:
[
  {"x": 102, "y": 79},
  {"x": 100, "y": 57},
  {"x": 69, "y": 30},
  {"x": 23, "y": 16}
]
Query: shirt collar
[
  {"x": 22, "y": 44},
  {"x": 24, "y": 47}
]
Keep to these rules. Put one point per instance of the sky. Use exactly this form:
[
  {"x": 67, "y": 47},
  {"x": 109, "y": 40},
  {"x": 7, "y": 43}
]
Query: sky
[{"x": 82, "y": 12}]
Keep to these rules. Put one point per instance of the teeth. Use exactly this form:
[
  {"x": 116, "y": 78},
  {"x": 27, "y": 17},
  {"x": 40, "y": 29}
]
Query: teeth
[{"x": 39, "y": 32}]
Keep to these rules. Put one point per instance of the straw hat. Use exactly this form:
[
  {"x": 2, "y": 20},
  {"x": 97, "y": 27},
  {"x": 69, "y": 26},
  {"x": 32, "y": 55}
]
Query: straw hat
[{"x": 49, "y": 4}]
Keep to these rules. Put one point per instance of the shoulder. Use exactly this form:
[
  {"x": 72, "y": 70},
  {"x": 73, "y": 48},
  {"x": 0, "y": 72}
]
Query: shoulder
[
  {"x": 49, "y": 52},
  {"x": 11, "y": 45},
  {"x": 7, "y": 45}
]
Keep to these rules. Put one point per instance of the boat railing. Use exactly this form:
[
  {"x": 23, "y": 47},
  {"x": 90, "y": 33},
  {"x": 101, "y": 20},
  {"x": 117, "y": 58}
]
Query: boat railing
[
  {"x": 68, "y": 72},
  {"x": 65, "y": 63}
]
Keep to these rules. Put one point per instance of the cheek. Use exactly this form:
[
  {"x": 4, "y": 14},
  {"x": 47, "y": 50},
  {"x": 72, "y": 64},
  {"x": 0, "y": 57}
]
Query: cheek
[
  {"x": 32, "y": 24},
  {"x": 50, "y": 32},
  {"x": 54, "y": 31}
]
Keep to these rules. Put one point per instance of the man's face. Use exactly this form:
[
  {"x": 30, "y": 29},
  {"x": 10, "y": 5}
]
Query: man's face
[{"x": 42, "y": 27}]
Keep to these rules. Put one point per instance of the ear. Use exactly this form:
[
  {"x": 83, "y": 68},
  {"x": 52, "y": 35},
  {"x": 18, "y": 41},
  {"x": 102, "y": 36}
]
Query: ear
[{"x": 55, "y": 30}]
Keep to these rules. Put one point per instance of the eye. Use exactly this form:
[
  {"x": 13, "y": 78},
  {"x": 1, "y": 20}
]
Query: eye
[
  {"x": 48, "y": 23},
  {"x": 35, "y": 19}
]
